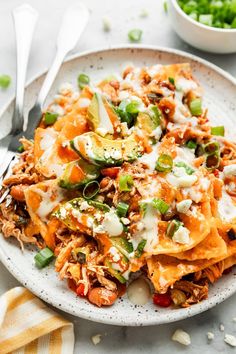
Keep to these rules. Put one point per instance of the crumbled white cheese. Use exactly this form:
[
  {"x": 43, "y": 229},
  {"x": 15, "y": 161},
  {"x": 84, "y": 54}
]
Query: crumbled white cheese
[
  {"x": 75, "y": 96},
  {"x": 125, "y": 221},
  {"x": 181, "y": 235},
  {"x": 96, "y": 339},
  {"x": 156, "y": 133},
  {"x": 106, "y": 24},
  {"x": 230, "y": 170},
  {"x": 98, "y": 229},
  {"x": 63, "y": 213},
  {"x": 180, "y": 179},
  {"x": 181, "y": 337},
  {"x": 222, "y": 327},
  {"x": 226, "y": 207},
  {"x": 115, "y": 254},
  {"x": 84, "y": 206},
  {"x": 231, "y": 340},
  {"x": 183, "y": 206},
  {"x": 102, "y": 131},
  {"x": 55, "y": 108},
  {"x": 210, "y": 335},
  {"x": 65, "y": 88},
  {"x": 116, "y": 154},
  {"x": 112, "y": 224}
]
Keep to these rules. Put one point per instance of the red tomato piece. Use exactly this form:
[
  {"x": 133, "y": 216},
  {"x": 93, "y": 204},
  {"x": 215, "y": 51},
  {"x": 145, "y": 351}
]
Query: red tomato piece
[
  {"x": 163, "y": 300},
  {"x": 80, "y": 290},
  {"x": 111, "y": 172}
]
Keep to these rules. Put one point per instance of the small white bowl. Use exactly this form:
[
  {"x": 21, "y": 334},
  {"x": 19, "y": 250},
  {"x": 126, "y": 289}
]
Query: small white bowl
[{"x": 209, "y": 39}]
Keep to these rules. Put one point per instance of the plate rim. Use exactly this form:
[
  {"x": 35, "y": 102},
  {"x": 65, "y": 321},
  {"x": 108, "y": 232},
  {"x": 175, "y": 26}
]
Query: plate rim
[{"x": 184, "y": 313}]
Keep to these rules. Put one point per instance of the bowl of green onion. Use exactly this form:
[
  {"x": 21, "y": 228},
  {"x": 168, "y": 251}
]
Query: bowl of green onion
[{"x": 209, "y": 25}]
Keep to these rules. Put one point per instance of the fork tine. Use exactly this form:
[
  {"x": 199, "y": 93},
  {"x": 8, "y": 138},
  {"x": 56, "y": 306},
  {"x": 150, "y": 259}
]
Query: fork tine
[{"x": 7, "y": 160}]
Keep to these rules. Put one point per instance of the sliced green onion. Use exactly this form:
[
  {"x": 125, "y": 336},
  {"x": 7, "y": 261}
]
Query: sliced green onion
[
  {"x": 171, "y": 80},
  {"x": 211, "y": 148},
  {"x": 196, "y": 107},
  {"x": 126, "y": 183},
  {"x": 218, "y": 130},
  {"x": 135, "y": 35},
  {"x": 164, "y": 163},
  {"x": 193, "y": 15},
  {"x": 5, "y": 81},
  {"x": 133, "y": 108},
  {"x": 91, "y": 189},
  {"x": 140, "y": 248},
  {"x": 189, "y": 170},
  {"x": 213, "y": 161},
  {"x": 206, "y": 19},
  {"x": 122, "y": 209},
  {"x": 165, "y": 5},
  {"x": 21, "y": 149},
  {"x": 99, "y": 205},
  {"x": 191, "y": 144},
  {"x": 173, "y": 227},
  {"x": 83, "y": 80},
  {"x": 156, "y": 114},
  {"x": 160, "y": 205},
  {"x": 50, "y": 118},
  {"x": 43, "y": 257}
]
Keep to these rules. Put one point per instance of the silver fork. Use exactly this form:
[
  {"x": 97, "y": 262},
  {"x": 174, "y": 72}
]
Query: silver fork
[
  {"x": 25, "y": 18},
  {"x": 73, "y": 24}
]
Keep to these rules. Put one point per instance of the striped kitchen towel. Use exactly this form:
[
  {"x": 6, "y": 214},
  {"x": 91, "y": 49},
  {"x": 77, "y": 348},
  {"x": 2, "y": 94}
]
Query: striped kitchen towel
[{"x": 28, "y": 326}]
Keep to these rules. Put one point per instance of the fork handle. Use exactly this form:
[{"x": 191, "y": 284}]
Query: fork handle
[
  {"x": 25, "y": 18},
  {"x": 73, "y": 24}
]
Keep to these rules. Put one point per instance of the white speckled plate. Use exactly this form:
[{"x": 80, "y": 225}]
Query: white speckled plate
[{"x": 220, "y": 97}]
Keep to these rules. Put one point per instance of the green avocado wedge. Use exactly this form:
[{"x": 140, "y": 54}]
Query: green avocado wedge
[
  {"x": 104, "y": 152},
  {"x": 77, "y": 173}
]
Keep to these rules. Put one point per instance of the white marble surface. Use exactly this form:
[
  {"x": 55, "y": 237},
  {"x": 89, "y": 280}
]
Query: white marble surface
[{"x": 124, "y": 15}]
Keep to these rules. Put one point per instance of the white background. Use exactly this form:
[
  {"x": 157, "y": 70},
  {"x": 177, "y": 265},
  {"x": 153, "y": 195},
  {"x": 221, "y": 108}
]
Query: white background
[{"x": 124, "y": 15}]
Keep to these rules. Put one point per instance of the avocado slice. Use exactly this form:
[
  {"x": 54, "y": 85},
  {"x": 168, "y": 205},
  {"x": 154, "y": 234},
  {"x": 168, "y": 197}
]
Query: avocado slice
[
  {"x": 101, "y": 115},
  {"x": 123, "y": 245},
  {"x": 115, "y": 273},
  {"x": 104, "y": 152},
  {"x": 78, "y": 173}
]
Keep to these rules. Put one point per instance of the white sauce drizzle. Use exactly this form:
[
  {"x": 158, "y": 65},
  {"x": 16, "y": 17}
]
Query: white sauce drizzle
[{"x": 226, "y": 207}]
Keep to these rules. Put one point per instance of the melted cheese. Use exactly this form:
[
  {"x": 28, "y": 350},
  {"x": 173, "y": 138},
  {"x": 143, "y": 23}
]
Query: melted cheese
[
  {"x": 150, "y": 159},
  {"x": 150, "y": 228}
]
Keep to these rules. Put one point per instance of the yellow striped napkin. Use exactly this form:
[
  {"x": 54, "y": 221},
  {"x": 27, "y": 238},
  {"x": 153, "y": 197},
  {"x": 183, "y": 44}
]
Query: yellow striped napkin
[{"x": 28, "y": 326}]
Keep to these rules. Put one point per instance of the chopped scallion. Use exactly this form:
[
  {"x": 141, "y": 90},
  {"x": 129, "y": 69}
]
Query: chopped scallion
[
  {"x": 126, "y": 183},
  {"x": 211, "y": 147},
  {"x": 91, "y": 189},
  {"x": 213, "y": 161},
  {"x": 165, "y": 5},
  {"x": 196, "y": 107},
  {"x": 160, "y": 205},
  {"x": 206, "y": 19},
  {"x": 122, "y": 209},
  {"x": 43, "y": 257},
  {"x": 218, "y": 130},
  {"x": 173, "y": 227},
  {"x": 140, "y": 248},
  {"x": 133, "y": 108},
  {"x": 172, "y": 80},
  {"x": 164, "y": 163},
  {"x": 99, "y": 205},
  {"x": 21, "y": 149},
  {"x": 5, "y": 81},
  {"x": 50, "y": 118},
  {"x": 83, "y": 80},
  {"x": 135, "y": 35},
  {"x": 191, "y": 144}
]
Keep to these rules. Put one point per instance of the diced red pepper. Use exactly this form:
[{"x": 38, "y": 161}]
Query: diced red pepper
[
  {"x": 80, "y": 290},
  {"x": 162, "y": 300},
  {"x": 216, "y": 173},
  {"x": 111, "y": 172}
]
